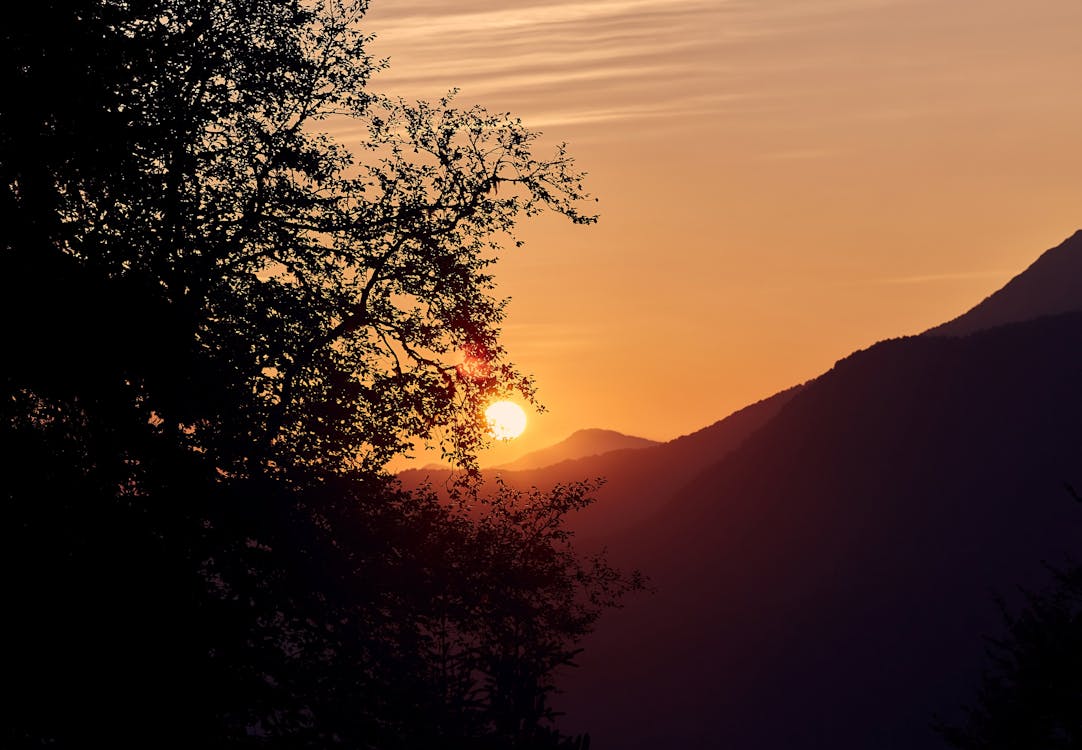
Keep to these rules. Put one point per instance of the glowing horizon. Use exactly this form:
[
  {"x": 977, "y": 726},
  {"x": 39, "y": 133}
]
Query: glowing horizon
[{"x": 780, "y": 182}]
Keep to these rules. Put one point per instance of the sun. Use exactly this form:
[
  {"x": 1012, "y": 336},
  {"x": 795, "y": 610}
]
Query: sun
[{"x": 506, "y": 420}]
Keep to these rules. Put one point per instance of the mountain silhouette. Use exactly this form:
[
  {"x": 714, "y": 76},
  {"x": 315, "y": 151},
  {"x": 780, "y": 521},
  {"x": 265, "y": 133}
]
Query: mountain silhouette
[
  {"x": 580, "y": 444},
  {"x": 638, "y": 481},
  {"x": 827, "y": 580},
  {"x": 1052, "y": 285}
]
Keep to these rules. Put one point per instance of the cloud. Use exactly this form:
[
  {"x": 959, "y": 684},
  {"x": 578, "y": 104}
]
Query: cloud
[
  {"x": 454, "y": 23},
  {"x": 535, "y": 341},
  {"x": 940, "y": 277},
  {"x": 667, "y": 110},
  {"x": 806, "y": 154},
  {"x": 580, "y": 62}
]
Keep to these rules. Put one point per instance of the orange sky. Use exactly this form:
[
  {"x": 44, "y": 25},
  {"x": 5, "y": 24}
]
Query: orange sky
[{"x": 780, "y": 181}]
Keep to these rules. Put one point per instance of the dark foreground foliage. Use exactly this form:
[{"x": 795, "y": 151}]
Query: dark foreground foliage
[
  {"x": 1031, "y": 694},
  {"x": 209, "y": 612},
  {"x": 219, "y": 324}
]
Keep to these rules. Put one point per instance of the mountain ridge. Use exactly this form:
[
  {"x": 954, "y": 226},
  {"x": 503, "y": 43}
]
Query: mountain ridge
[
  {"x": 1051, "y": 285},
  {"x": 849, "y": 548}
]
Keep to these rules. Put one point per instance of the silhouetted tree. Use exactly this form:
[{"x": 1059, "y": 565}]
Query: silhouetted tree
[
  {"x": 1031, "y": 694},
  {"x": 220, "y": 324},
  {"x": 279, "y": 303}
]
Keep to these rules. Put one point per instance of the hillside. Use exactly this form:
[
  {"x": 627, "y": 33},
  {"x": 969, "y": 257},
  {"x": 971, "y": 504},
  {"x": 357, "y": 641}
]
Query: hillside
[
  {"x": 825, "y": 562},
  {"x": 827, "y": 584}
]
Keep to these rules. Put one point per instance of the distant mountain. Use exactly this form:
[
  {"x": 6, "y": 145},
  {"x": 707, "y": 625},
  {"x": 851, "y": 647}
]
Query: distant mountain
[
  {"x": 828, "y": 578},
  {"x": 1052, "y": 285},
  {"x": 580, "y": 444},
  {"x": 435, "y": 466},
  {"x": 638, "y": 481}
]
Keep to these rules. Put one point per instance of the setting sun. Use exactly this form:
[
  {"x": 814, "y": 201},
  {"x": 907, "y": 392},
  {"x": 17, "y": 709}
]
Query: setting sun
[{"x": 506, "y": 420}]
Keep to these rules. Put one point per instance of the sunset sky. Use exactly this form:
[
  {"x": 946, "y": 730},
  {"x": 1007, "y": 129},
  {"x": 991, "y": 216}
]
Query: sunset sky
[{"x": 781, "y": 182}]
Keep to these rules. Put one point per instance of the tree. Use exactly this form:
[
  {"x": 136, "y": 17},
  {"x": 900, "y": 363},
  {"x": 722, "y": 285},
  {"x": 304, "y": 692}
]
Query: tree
[
  {"x": 281, "y": 305},
  {"x": 220, "y": 325},
  {"x": 1031, "y": 695}
]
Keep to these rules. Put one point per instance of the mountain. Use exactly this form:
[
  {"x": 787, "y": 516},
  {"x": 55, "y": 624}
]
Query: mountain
[
  {"x": 1052, "y": 285},
  {"x": 827, "y": 579},
  {"x": 580, "y": 444},
  {"x": 638, "y": 481}
]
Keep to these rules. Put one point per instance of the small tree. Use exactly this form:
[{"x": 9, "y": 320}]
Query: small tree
[
  {"x": 1031, "y": 695},
  {"x": 525, "y": 602}
]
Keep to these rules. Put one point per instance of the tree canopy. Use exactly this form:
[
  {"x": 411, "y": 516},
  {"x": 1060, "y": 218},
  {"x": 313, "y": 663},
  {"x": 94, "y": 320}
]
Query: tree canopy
[
  {"x": 221, "y": 323},
  {"x": 313, "y": 302}
]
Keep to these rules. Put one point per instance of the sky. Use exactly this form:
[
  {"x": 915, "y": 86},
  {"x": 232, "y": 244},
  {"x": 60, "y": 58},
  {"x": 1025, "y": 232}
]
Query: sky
[{"x": 780, "y": 182}]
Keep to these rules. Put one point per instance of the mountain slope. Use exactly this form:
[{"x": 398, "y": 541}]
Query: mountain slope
[
  {"x": 1050, "y": 286},
  {"x": 637, "y": 481},
  {"x": 827, "y": 583},
  {"x": 581, "y": 444}
]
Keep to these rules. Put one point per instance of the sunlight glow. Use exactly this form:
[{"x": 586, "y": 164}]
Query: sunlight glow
[{"x": 506, "y": 420}]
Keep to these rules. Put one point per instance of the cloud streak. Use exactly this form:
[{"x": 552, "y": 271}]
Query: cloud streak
[
  {"x": 585, "y": 62},
  {"x": 932, "y": 278}
]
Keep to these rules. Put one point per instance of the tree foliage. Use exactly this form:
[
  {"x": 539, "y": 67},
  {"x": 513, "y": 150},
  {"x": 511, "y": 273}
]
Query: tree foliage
[
  {"x": 1031, "y": 694},
  {"x": 221, "y": 323},
  {"x": 323, "y": 306}
]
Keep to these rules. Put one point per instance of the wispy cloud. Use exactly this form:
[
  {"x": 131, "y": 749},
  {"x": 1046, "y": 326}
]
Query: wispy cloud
[
  {"x": 941, "y": 277},
  {"x": 531, "y": 341},
  {"x": 585, "y": 62},
  {"x": 801, "y": 154},
  {"x": 657, "y": 110},
  {"x": 459, "y": 21}
]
